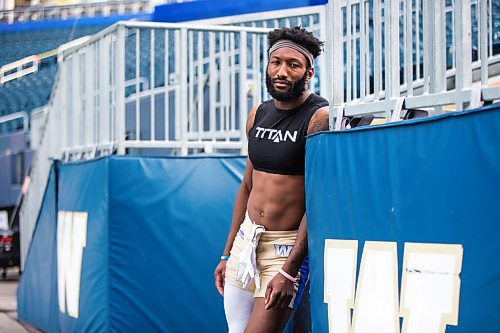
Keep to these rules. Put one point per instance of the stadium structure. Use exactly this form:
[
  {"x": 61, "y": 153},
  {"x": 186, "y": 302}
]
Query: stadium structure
[{"x": 122, "y": 145}]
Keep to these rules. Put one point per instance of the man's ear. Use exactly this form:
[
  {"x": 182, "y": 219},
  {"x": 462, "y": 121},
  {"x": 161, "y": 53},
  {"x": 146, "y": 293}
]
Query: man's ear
[{"x": 310, "y": 73}]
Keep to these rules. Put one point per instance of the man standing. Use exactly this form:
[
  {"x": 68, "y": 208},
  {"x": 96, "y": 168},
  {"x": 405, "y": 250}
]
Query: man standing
[{"x": 262, "y": 272}]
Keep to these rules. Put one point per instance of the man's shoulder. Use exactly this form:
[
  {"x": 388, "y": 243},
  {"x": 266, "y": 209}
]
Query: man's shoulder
[
  {"x": 319, "y": 101},
  {"x": 320, "y": 118},
  {"x": 267, "y": 102},
  {"x": 262, "y": 105}
]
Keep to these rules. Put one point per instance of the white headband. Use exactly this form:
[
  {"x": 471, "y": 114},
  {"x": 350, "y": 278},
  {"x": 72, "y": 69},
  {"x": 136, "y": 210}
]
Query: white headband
[{"x": 288, "y": 43}]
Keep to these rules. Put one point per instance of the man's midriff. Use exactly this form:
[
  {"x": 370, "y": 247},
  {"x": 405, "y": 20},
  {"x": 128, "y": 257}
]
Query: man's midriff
[{"x": 276, "y": 201}]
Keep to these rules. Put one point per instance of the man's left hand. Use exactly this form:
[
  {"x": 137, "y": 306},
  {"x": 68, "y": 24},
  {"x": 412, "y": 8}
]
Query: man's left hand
[{"x": 279, "y": 293}]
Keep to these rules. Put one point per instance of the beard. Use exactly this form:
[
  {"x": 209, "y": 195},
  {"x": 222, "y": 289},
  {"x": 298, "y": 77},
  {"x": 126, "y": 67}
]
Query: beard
[{"x": 295, "y": 89}]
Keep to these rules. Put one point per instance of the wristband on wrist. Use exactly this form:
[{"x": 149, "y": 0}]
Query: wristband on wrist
[
  {"x": 288, "y": 276},
  {"x": 224, "y": 257}
]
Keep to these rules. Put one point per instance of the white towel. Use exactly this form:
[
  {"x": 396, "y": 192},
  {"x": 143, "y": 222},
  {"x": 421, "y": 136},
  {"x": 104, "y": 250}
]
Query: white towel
[{"x": 247, "y": 265}]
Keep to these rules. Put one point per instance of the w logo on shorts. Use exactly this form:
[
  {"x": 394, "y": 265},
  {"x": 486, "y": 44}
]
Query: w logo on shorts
[{"x": 282, "y": 250}]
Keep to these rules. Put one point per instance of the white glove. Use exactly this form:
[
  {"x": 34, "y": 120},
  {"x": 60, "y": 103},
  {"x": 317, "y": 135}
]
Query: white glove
[{"x": 247, "y": 266}]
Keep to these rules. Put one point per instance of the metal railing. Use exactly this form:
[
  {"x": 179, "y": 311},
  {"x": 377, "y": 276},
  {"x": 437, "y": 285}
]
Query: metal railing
[
  {"x": 409, "y": 54},
  {"x": 19, "y": 68},
  {"x": 41, "y": 13},
  {"x": 14, "y": 116},
  {"x": 30, "y": 64},
  {"x": 202, "y": 80},
  {"x": 312, "y": 18},
  {"x": 195, "y": 96}
]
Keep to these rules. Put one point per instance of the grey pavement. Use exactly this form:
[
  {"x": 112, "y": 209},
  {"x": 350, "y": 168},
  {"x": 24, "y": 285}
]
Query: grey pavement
[{"x": 8, "y": 305}]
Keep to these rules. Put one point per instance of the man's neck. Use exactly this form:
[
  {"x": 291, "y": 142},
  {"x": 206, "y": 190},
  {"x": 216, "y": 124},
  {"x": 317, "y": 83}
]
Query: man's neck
[{"x": 289, "y": 105}]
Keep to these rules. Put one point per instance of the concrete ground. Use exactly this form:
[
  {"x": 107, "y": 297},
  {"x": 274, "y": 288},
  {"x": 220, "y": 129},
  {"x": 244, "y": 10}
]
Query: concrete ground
[{"x": 8, "y": 305}]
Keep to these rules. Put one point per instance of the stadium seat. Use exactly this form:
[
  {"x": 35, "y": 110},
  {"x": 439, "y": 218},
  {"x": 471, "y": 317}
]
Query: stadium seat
[{"x": 33, "y": 90}]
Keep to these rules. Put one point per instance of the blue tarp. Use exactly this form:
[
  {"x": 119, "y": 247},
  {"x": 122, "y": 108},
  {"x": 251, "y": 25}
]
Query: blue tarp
[
  {"x": 426, "y": 181},
  {"x": 155, "y": 230}
]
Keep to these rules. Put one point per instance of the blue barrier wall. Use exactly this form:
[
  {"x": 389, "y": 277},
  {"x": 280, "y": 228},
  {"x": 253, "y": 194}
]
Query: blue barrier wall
[
  {"x": 83, "y": 187},
  {"x": 155, "y": 230},
  {"x": 205, "y": 9},
  {"x": 37, "y": 292},
  {"x": 156, "y": 226},
  {"x": 168, "y": 225},
  {"x": 426, "y": 181}
]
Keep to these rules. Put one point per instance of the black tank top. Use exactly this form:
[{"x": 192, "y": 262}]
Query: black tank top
[{"x": 277, "y": 140}]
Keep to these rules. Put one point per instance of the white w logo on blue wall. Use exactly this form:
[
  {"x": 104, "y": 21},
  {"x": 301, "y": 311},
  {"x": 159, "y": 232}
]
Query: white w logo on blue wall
[
  {"x": 429, "y": 292},
  {"x": 71, "y": 239}
]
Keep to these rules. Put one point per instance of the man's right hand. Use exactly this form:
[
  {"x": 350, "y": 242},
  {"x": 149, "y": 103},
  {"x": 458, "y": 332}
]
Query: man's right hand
[{"x": 220, "y": 273}]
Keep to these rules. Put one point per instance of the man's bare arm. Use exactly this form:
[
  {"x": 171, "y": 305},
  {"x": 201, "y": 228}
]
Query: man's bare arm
[
  {"x": 240, "y": 206},
  {"x": 280, "y": 290},
  {"x": 319, "y": 121},
  {"x": 299, "y": 250},
  {"x": 240, "y": 203},
  {"x": 239, "y": 209}
]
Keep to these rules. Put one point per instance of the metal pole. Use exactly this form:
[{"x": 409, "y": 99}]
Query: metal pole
[
  {"x": 483, "y": 33},
  {"x": 184, "y": 90},
  {"x": 243, "y": 103},
  {"x": 120, "y": 89},
  {"x": 335, "y": 57},
  {"x": 463, "y": 63}
]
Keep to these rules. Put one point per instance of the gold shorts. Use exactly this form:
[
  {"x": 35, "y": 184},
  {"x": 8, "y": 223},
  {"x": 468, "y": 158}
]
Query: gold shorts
[{"x": 273, "y": 249}]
